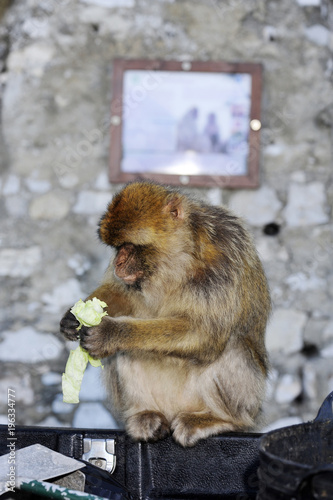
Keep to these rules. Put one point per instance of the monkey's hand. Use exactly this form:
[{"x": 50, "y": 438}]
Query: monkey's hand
[
  {"x": 101, "y": 341},
  {"x": 69, "y": 325}
]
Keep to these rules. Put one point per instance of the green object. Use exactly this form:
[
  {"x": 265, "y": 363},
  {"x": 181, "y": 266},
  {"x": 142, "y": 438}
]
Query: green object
[
  {"x": 89, "y": 313},
  {"x": 74, "y": 371},
  {"x": 50, "y": 490}
]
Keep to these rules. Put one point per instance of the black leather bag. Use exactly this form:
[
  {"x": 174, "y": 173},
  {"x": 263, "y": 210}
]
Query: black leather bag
[
  {"x": 219, "y": 467},
  {"x": 296, "y": 462}
]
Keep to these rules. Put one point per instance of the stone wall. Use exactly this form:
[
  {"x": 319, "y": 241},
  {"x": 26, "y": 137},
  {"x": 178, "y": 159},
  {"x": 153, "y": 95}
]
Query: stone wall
[{"x": 56, "y": 66}]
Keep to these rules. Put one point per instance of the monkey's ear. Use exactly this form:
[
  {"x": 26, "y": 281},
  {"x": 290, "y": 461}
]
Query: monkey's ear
[{"x": 174, "y": 207}]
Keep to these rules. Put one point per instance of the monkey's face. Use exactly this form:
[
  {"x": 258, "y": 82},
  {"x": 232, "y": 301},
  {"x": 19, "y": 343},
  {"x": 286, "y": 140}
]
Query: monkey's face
[
  {"x": 133, "y": 263},
  {"x": 126, "y": 264},
  {"x": 141, "y": 222}
]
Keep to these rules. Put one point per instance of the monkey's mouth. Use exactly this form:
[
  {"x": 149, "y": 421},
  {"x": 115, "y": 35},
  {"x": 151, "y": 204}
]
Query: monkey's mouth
[{"x": 127, "y": 264}]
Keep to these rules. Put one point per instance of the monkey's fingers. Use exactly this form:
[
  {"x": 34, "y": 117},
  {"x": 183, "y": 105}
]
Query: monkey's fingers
[
  {"x": 93, "y": 341},
  {"x": 69, "y": 325}
]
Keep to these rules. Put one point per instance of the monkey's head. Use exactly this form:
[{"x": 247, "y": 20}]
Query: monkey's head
[{"x": 142, "y": 222}]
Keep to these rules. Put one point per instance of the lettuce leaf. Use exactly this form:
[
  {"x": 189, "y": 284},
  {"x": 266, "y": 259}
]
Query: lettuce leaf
[
  {"x": 74, "y": 371},
  {"x": 89, "y": 313}
]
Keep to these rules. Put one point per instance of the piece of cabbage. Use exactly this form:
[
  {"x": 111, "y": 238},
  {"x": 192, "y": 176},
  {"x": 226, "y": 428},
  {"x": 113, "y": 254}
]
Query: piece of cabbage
[{"x": 89, "y": 313}]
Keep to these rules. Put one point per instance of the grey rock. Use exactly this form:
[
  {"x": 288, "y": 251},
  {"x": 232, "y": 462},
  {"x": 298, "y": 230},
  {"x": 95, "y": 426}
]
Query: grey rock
[
  {"x": 310, "y": 381},
  {"x": 24, "y": 393},
  {"x": 314, "y": 331},
  {"x": 29, "y": 346},
  {"x": 257, "y": 207},
  {"x": 16, "y": 205},
  {"x": 304, "y": 282},
  {"x": 270, "y": 250},
  {"x": 288, "y": 388},
  {"x": 328, "y": 331},
  {"x": 306, "y": 205},
  {"x": 11, "y": 185},
  {"x": 327, "y": 352},
  {"x": 79, "y": 264},
  {"x": 92, "y": 388},
  {"x": 102, "y": 182},
  {"x": 90, "y": 202},
  {"x": 214, "y": 196},
  {"x": 309, "y": 3},
  {"x": 62, "y": 296},
  {"x": 38, "y": 185},
  {"x": 59, "y": 407},
  {"x": 285, "y": 331},
  {"x": 50, "y": 206},
  {"x": 93, "y": 415},
  {"x": 51, "y": 378},
  {"x": 17, "y": 262},
  {"x": 318, "y": 34},
  {"x": 111, "y": 3},
  {"x": 325, "y": 117},
  {"x": 36, "y": 28},
  {"x": 33, "y": 59}
]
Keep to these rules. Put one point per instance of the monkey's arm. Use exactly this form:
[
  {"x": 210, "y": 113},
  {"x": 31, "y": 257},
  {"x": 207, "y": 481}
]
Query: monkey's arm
[
  {"x": 177, "y": 336},
  {"x": 116, "y": 304}
]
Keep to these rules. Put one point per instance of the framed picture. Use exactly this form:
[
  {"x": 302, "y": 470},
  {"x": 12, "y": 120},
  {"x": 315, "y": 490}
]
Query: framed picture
[{"x": 186, "y": 123}]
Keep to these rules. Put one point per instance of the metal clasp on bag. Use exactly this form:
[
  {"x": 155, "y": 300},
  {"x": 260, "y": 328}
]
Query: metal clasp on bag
[{"x": 100, "y": 452}]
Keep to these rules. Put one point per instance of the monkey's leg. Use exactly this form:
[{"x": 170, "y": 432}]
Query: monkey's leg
[
  {"x": 188, "y": 428},
  {"x": 148, "y": 426}
]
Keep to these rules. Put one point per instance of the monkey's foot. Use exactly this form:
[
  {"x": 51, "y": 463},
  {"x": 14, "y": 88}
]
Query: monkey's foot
[
  {"x": 148, "y": 426},
  {"x": 189, "y": 428}
]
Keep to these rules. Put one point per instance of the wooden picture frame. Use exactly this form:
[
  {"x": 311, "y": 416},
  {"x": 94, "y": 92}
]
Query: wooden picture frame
[{"x": 186, "y": 123}]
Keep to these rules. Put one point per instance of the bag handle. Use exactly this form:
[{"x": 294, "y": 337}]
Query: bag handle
[
  {"x": 326, "y": 410},
  {"x": 305, "y": 488}
]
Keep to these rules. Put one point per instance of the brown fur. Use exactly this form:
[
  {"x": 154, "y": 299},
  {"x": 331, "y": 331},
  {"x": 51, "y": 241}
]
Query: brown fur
[{"x": 188, "y": 304}]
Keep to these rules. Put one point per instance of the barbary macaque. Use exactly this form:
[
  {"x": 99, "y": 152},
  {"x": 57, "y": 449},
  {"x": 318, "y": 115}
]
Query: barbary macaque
[{"x": 188, "y": 304}]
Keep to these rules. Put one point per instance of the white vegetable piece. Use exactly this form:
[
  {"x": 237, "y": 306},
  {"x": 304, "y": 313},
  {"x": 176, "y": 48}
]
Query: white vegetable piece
[{"x": 89, "y": 313}]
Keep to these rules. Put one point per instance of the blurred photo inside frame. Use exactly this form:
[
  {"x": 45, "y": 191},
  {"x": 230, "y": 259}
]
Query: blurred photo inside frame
[{"x": 196, "y": 123}]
